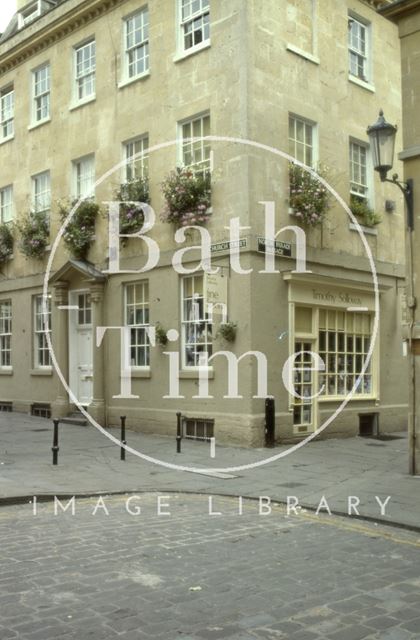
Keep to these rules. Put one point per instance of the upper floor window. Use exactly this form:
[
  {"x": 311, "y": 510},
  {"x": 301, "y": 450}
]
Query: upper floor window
[
  {"x": 6, "y": 204},
  {"x": 137, "y": 44},
  {"x": 195, "y": 23},
  {"x": 85, "y": 68},
  {"x": 41, "y": 192},
  {"x": 135, "y": 155},
  {"x": 7, "y": 113},
  {"x": 29, "y": 13},
  {"x": 137, "y": 318},
  {"x": 195, "y": 150},
  {"x": 42, "y": 325},
  {"x": 302, "y": 140},
  {"x": 359, "y": 186},
  {"x": 84, "y": 177},
  {"x": 359, "y": 44},
  {"x": 41, "y": 93},
  {"x": 5, "y": 333}
]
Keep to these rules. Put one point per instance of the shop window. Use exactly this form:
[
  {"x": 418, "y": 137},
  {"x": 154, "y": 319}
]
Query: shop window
[{"x": 344, "y": 342}]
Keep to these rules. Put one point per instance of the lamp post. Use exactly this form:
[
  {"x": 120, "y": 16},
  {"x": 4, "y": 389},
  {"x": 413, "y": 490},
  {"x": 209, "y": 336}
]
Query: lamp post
[{"x": 382, "y": 144}]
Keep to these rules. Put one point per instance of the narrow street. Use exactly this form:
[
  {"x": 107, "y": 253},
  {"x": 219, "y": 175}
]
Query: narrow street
[{"x": 104, "y": 573}]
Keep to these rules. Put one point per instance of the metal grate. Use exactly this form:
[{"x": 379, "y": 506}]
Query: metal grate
[
  {"x": 41, "y": 410},
  {"x": 368, "y": 425},
  {"x": 198, "y": 429},
  {"x": 6, "y": 406}
]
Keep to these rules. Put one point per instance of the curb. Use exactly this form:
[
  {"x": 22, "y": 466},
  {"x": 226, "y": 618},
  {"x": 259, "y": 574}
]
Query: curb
[{"x": 49, "y": 497}]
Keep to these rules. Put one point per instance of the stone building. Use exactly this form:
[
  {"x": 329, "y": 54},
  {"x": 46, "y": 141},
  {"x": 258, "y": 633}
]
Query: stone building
[
  {"x": 219, "y": 87},
  {"x": 406, "y": 15}
]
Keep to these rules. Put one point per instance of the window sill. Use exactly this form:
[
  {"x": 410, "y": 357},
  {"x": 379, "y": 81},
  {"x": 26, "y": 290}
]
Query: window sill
[
  {"x": 128, "y": 81},
  {"x": 360, "y": 396},
  {"x": 141, "y": 373},
  {"x": 81, "y": 103},
  {"x": 181, "y": 55},
  {"x": 194, "y": 374},
  {"x": 362, "y": 83},
  {"x": 303, "y": 54},
  {"x": 370, "y": 231},
  {"x": 35, "y": 125},
  {"x": 8, "y": 139},
  {"x": 6, "y": 372},
  {"x": 41, "y": 372}
]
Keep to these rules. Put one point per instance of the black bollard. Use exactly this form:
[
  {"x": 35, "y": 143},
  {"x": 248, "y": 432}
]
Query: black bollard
[
  {"x": 178, "y": 432},
  {"x": 270, "y": 422},
  {"x": 123, "y": 440},
  {"x": 55, "y": 447}
]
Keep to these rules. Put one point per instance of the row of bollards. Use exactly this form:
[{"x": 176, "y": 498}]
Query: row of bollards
[{"x": 269, "y": 431}]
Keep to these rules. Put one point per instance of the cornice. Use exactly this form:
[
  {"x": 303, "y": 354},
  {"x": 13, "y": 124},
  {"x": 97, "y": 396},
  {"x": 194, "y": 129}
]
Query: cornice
[
  {"x": 400, "y": 9},
  {"x": 58, "y": 26}
]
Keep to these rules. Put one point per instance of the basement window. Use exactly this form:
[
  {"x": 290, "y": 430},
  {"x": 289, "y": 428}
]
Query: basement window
[
  {"x": 6, "y": 406},
  {"x": 198, "y": 429},
  {"x": 41, "y": 410}
]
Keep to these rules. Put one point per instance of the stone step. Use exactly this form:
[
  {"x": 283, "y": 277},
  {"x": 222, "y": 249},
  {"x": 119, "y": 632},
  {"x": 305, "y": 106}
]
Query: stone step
[{"x": 75, "y": 418}]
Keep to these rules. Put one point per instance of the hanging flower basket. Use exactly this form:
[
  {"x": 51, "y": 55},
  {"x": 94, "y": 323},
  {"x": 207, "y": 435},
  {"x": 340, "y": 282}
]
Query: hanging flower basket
[
  {"x": 308, "y": 198},
  {"x": 160, "y": 333},
  {"x": 367, "y": 216},
  {"x": 227, "y": 331},
  {"x": 187, "y": 198},
  {"x": 131, "y": 215},
  {"x": 80, "y": 231},
  {"x": 6, "y": 242},
  {"x": 34, "y": 235}
]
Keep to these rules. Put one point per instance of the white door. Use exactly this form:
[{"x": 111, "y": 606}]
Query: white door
[{"x": 81, "y": 351}]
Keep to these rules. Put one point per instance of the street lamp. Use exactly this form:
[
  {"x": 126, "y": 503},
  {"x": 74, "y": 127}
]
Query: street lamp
[{"x": 382, "y": 143}]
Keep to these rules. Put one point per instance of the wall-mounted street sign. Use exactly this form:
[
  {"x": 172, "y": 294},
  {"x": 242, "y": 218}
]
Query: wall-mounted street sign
[
  {"x": 283, "y": 249},
  {"x": 226, "y": 245}
]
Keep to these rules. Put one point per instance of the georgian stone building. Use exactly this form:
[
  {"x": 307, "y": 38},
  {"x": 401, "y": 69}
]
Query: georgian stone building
[{"x": 89, "y": 84}]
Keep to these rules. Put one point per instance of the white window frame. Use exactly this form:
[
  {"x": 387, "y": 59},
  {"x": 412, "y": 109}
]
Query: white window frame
[
  {"x": 304, "y": 122},
  {"x": 188, "y": 145},
  {"x": 356, "y": 187},
  {"x": 41, "y": 192},
  {"x": 141, "y": 305},
  {"x": 201, "y": 15},
  {"x": 84, "y": 76},
  {"x": 195, "y": 320},
  {"x": 7, "y": 113},
  {"x": 142, "y": 46},
  {"x": 136, "y": 157},
  {"x": 41, "y": 96},
  {"x": 42, "y": 356},
  {"x": 6, "y": 204},
  {"x": 5, "y": 334},
  {"x": 363, "y": 337},
  {"x": 357, "y": 52},
  {"x": 84, "y": 185},
  {"x": 29, "y": 13}
]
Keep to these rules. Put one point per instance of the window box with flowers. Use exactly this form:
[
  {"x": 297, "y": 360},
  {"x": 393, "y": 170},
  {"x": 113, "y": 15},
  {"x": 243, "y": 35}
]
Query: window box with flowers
[
  {"x": 80, "y": 231},
  {"x": 6, "y": 242},
  {"x": 131, "y": 214},
  {"x": 34, "y": 231},
  {"x": 366, "y": 216},
  {"x": 309, "y": 200},
  {"x": 187, "y": 197}
]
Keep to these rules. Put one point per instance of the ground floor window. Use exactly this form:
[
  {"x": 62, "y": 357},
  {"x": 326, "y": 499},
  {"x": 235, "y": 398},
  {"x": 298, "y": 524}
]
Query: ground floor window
[
  {"x": 5, "y": 333},
  {"x": 196, "y": 324},
  {"x": 303, "y": 384},
  {"x": 137, "y": 318},
  {"x": 42, "y": 354},
  {"x": 344, "y": 342}
]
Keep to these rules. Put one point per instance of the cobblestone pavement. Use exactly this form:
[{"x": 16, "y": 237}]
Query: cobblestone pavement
[{"x": 195, "y": 576}]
